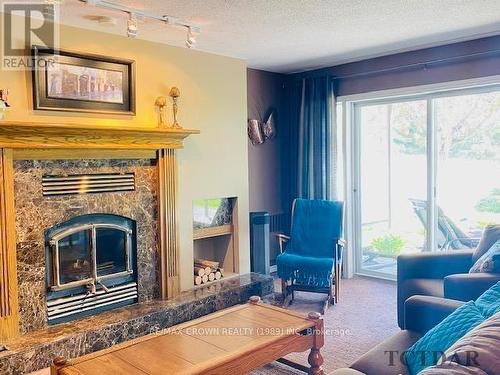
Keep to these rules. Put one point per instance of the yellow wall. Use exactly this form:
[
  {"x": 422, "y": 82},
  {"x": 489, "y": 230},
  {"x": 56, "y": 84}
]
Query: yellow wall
[{"x": 213, "y": 99}]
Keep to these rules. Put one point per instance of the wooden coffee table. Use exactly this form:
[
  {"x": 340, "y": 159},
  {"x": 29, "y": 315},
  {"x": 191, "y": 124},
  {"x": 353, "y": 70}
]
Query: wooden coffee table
[{"x": 232, "y": 341}]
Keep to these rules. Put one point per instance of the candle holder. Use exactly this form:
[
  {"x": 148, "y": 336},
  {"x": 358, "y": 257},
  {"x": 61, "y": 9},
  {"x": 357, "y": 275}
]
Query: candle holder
[
  {"x": 175, "y": 94},
  {"x": 161, "y": 104}
]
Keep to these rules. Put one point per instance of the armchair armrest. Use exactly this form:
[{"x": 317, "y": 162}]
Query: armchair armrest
[
  {"x": 282, "y": 239},
  {"x": 339, "y": 250},
  {"x": 424, "y": 312},
  {"x": 468, "y": 286},
  {"x": 433, "y": 265}
]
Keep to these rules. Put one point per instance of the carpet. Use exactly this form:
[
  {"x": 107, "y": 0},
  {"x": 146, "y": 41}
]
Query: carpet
[{"x": 365, "y": 316}]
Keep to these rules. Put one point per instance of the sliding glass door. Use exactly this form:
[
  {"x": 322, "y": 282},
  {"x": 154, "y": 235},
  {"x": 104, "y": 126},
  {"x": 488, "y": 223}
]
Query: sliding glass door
[
  {"x": 426, "y": 175},
  {"x": 392, "y": 177}
]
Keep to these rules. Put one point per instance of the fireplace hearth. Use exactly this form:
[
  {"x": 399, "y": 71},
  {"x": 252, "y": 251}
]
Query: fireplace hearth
[{"x": 91, "y": 266}]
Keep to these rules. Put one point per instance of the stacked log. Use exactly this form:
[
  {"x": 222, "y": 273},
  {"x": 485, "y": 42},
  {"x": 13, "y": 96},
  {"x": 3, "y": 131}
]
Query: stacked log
[{"x": 206, "y": 270}]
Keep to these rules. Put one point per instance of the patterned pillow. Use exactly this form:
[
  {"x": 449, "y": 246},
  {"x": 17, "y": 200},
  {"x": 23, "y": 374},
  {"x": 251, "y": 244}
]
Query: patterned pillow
[
  {"x": 427, "y": 351},
  {"x": 478, "y": 352},
  {"x": 489, "y": 302},
  {"x": 491, "y": 234},
  {"x": 489, "y": 261}
]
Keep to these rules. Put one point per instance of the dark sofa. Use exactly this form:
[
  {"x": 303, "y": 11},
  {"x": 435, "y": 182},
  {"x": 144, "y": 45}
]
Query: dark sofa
[
  {"x": 421, "y": 313},
  {"x": 441, "y": 274}
]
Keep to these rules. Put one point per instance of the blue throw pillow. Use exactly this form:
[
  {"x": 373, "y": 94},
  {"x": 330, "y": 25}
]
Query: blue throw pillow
[
  {"x": 489, "y": 261},
  {"x": 429, "y": 349},
  {"x": 489, "y": 302}
]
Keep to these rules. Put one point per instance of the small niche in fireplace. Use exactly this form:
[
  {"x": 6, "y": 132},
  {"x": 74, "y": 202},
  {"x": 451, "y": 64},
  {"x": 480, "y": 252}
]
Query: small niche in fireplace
[
  {"x": 91, "y": 266},
  {"x": 215, "y": 239}
]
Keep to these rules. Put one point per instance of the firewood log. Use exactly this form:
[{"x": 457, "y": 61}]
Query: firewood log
[
  {"x": 218, "y": 275},
  {"x": 207, "y": 263},
  {"x": 206, "y": 269},
  {"x": 204, "y": 278},
  {"x": 211, "y": 276},
  {"x": 197, "y": 280},
  {"x": 199, "y": 271}
]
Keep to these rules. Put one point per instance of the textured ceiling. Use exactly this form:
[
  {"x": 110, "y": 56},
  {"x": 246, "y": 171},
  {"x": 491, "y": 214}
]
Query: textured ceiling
[{"x": 296, "y": 35}]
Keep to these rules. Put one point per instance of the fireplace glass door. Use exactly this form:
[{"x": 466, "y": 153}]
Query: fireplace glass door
[
  {"x": 111, "y": 251},
  {"x": 75, "y": 258},
  {"x": 87, "y": 254}
]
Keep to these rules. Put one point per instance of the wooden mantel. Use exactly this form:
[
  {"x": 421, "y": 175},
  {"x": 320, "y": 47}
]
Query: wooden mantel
[
  {"x": 32, "y": 140},
  {"x": 32, "y": 135}
]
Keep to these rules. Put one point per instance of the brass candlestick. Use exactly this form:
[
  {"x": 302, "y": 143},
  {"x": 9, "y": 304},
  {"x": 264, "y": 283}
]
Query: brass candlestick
[
  {"x": 161, "y": 103},
  {"x": 174, "y": 94}
]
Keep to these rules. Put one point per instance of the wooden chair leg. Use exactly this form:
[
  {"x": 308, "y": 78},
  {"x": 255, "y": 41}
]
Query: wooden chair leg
[
  {"x": 286, "y": 295},
  {"x": 337, "y": 282},
  {"x": 283, "y": 288}
]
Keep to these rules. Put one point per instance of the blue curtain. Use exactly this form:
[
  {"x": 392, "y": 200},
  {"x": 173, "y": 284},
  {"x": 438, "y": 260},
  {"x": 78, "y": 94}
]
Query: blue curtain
[{"x": 312, "y": 138}]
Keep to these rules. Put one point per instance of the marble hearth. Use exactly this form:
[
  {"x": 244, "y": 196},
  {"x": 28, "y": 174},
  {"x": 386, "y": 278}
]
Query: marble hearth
[{"x": 36, "y": 349}]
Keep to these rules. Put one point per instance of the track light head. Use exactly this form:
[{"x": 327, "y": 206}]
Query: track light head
[
  {"x": 190, "y": 38},
  {"x": 132, "y": 26}
]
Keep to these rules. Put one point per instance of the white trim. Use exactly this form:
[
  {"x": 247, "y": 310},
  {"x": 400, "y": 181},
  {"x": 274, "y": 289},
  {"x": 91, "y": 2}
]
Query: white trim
[
  {"x": 349, "y": 258},
  {"x": 421, "y": 90},
  {"x": 431, "y": 156}
]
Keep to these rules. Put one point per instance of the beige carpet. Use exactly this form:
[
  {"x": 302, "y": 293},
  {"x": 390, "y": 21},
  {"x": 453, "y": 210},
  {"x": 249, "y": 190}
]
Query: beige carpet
[{"x": 365, "y": 316}]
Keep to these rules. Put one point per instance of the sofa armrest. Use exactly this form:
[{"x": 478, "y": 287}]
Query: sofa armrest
[
  {"x": 424, "y": 312},
  {"x": 468, "y": 286},
  {"x": 433, "y": 265}
]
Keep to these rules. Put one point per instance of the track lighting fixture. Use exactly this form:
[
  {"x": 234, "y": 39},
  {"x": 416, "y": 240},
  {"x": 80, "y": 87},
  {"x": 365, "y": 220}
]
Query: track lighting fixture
[
  {"x": 133, "y": 14},
  {"x": 132, "y": 26},
  {"x": 190, "y": 38}
]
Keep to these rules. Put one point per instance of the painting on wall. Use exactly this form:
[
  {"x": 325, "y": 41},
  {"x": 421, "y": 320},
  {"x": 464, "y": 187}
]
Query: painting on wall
[{"x": 67, "y": 81}]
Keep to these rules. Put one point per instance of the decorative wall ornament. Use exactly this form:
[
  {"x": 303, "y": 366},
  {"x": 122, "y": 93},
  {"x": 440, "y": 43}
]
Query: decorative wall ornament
[
  {"x": 260, "y": 132},
  {"x": 269, "y": 127},
  {"x": 174, "y": 94},
  {"x": 4, "y": 102},
  {"x": 161, "y": 104},
  {"x": 255, "y": 132}
]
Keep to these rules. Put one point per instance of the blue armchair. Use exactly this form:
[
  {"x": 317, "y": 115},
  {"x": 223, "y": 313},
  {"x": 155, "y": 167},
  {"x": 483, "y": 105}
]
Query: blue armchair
[{"x": 311, "y": 261}]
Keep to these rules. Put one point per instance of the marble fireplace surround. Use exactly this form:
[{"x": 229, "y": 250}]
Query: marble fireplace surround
[
  {"x": 36, "y": 213},
  {"x": 30, "y": 150}
]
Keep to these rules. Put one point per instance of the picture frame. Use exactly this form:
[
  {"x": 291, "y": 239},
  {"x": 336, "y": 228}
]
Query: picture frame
[{"x": 75, "y": 82}]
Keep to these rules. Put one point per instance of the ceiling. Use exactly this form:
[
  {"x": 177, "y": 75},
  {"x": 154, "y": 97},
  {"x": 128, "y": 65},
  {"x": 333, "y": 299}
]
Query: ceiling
[{"x": 297, "y": 35}]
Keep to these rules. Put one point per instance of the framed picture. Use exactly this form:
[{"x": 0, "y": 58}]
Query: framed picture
[{"x": 68, "y": 81}]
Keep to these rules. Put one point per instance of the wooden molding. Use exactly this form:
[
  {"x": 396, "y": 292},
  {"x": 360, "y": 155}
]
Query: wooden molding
[
  {"x": 78, "y": 154},
  {"x": 167, "y": 217},
  {"x": 212, "y": 231},
  {"x": 9, "y": 315},
  {"x": 75, "y": 136}
]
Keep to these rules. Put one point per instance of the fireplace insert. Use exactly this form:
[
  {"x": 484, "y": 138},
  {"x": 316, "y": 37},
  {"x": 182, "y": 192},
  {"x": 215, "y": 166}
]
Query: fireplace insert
[{"x": 91, "y": 266}]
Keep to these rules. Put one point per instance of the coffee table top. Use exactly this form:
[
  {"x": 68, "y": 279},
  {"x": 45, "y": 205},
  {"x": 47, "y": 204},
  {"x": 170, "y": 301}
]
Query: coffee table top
[{"x": 197, "y": 345}]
